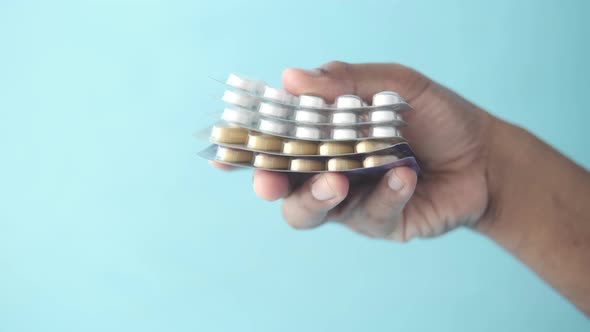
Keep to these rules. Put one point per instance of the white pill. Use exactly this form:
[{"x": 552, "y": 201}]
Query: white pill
[
  {"x": 384, "y": 131},
  {"x": 274, "y": 110},
  {"x": 384, "y": 116},
  {"x": 310, "y": 116},
  {"x": 237, "y": 115},
  {"x": 308, "y": 132},
  {"x": 273, "y": 127},
  {"x": 386, "y": 98},
  {"x": 249, "y": 85},
  {"x": 349, "y": 101},
  {"x": 234, "y": 98},
  {"x": 311, "y": 101},
  {"x": 344, "y": 134},
  {"x": 344, "y": 118},
  {"x": 278, "y": 95}
]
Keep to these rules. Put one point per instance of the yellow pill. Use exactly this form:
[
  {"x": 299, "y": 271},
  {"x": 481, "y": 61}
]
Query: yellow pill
[
  {"x": 271, "y": 162},
  {"x": 374, "y": 161},
  {"x": 229, "y": 134},
  {"x": 370, "y": 145},
  {"x": 335, "y": 148},
  {"x": 233, "y": 155},
  {"x": 342, "y": 164},
  {"x": 264, "y": 142},
  {"x": 300, "y": 148},
  {"x": 306, "y": 165}
]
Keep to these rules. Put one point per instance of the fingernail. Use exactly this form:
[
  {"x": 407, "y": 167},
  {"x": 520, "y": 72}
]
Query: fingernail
[
  {"x": 312, "y": 72},
  {"x": 321, "y": 190},
  {"x": 395, "y": 183}
]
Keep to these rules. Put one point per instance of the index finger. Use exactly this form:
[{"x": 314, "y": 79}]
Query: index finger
[{"x": 364, "y": 80}]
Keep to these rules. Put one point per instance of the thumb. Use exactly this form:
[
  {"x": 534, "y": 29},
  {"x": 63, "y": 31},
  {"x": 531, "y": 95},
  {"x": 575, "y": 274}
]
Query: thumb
[{"x": 364, "y": 80}]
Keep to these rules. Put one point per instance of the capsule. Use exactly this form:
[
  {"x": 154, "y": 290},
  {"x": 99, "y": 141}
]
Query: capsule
[
  {"x": 271, "y": 162},
  {"x": 343, "y": 164},
  {"x": 233, "y": 155},
  {"x": 263, "y": 142},
  {"x": 307, "y": 165},
  {"x": 229, "y": 134},
  {"x": 335, "y": 148},
  {"x": 371, "y": 145},
  {"x": 295, "y": 147}
]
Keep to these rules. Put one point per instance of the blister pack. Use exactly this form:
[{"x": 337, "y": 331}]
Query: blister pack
[{"x": 268, "y": 128}]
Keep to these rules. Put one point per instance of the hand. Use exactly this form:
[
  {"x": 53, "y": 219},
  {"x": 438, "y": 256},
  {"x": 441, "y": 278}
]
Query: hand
[
  {"x": 477, "y": 170},
  {"x": 449, "y": 135}
]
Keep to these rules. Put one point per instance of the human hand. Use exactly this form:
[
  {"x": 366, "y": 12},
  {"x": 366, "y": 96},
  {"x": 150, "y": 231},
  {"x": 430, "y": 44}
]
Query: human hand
[
  {"x": 477, "y": 170},
  {"x": 449, "y": 135}
]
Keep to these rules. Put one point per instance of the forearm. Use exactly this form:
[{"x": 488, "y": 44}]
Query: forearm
[{"x": 539, "y": 210}]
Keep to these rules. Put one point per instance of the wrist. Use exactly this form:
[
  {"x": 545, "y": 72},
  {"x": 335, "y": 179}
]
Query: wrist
[
  {"x": 510, "y": 163},
  {"x": 538, "y": 210},
  {"x": 526, "y": 179}
]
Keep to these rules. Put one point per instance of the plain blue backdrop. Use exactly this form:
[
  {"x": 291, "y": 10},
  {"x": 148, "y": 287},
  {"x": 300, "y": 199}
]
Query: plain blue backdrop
[{"x": 110, "y": 222}]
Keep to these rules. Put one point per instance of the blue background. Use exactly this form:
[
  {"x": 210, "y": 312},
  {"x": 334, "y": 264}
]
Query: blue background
[{"x": 110, "y": 222}]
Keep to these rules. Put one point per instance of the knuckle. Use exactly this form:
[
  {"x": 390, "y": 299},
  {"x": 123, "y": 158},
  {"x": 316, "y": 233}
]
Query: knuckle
[
  {"x": 416, "y": 83},
  {"x": 404, "y": 70}
]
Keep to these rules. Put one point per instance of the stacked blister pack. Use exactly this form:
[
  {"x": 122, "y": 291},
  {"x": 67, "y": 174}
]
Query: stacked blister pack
[{"x": 268, "y": 128}]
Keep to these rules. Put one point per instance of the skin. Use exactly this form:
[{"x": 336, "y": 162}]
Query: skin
[{"x": 478, "y": 171}]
